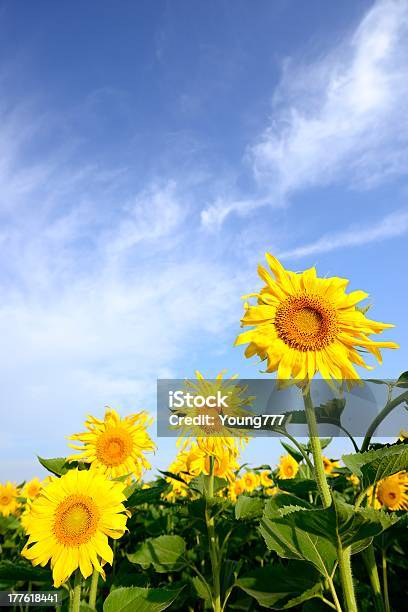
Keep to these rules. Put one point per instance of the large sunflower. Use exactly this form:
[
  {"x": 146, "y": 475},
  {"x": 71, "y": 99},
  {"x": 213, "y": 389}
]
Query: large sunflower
[
  {"x": 116, "y": 445},
  {"x": 303, "y": 325},
  {"x": 8, "y": 499},
  {"x": 70, "y": 520}
]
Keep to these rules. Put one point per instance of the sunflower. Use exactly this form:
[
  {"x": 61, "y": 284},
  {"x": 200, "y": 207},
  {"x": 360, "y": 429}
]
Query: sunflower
[
  {"x": 329, "y": 466},
  {"x": 303, "y": 325},
  {"x": 250, "y": 481},
  {"x": 392, "y": 492},
  {"x": 355, "y": 481},
  {"x": 32, "y": 488},
  {"x": 235, "y": 489},
  {"x": 115, "y": 445},
  {"x": 271, "y": 491},
  {"x": 8, "y": 499},
  {"x": 265, "y": 477},
  {"x": 215, "y": 438},
  {"x": 288, "y": 467},
  {"x": 70, "y": 521}
]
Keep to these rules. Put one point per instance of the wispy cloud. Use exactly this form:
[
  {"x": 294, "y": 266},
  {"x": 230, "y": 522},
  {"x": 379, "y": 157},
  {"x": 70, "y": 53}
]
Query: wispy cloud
[
  {"x": 393, "y": 225},
  {"x": 341, "y": 118}
]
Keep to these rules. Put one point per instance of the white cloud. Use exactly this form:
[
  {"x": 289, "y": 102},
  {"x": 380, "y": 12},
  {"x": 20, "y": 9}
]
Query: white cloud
[
  {"x": 393, "y": 225},
  {"x": 342, "y": 118}
]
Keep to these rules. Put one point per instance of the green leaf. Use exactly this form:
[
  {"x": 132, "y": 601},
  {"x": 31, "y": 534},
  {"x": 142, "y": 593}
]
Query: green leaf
[
  {"x": 140, "y": 599},
  {"x": 280, "y": 500},
  {"x": 166, "y": 553},
  {"x": 202, "y": 587},
  {"x": 403, "y": 380},
  {"x": 291, "y": 542},
  {"x": 329, "y": 413},
  {"x": 374, "y": 465},
  {"x": 280, "y": 587},
  {"x": 57, "y": 466},
  {"x": 152, "y": 495},
  {"x": 297, "y": 455},
  {"x": 19, "y": 570},
  {"x": 248, "y": 507},
  {"x": 201, "y": 483},
  {"x": 340, "y": 521},
  {"x": 296, "y": 486}
]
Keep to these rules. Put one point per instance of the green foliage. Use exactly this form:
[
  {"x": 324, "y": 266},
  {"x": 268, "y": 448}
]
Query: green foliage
[
  {"x": 281, "y": 587},
  {"x": 166, "y": 553},
  {"x": 140, "y": 599},
  {"x": 374, "y": 465},
  {"x": 248, "y": 507}
]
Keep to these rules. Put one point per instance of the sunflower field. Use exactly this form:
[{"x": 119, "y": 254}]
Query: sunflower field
[{"x": 314, "y": 532}]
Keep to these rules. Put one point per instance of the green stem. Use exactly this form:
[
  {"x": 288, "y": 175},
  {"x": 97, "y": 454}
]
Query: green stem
[
  {"x": 371, "y": 567},
  {"x": 344, "y": 559},
  {"x": 315, "y": 445},
  {"x": 300, "y": 449},
  {"x": 76, "y": 599},
  {"x": 94, "y": 589},
  {"x": 381, "y": 416},
  {"x": 337, "y": 605},
  {"x": 213, "y": 544},
  {"x": 385, "y": 581}
]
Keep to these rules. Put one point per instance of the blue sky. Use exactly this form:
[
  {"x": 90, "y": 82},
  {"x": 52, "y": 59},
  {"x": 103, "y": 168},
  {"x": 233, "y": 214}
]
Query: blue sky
[{"x": 150, "y": 153}]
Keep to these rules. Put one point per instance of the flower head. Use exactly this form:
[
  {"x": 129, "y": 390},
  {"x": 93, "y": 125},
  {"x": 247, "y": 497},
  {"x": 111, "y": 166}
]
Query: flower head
[
  {"x": 250, "y": 481},
  {"x": 303, "y": 325},
  {"x": 70, "y": 521},
  {"x": 392, "y": 492},
  {"x": 235, "y": 489},
  {"x": 288, "y": 467},
  {"x": 8, "y": 498},
  {"x": 329, "y": 466},
  {"x": 115, "y": 445},
  {"x": 265, "y": 477},
  {"x": 212, "y": 435},
  {"x": 32, "y": 488}
]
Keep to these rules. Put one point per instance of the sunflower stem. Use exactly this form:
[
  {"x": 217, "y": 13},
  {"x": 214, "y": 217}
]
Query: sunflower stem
[
  {"x": 213, "y": 544},
  {"x": 316, "y": 447},
  {"x": 76, "y": 598},
  {"x": 385, "y": 581},
  {"x": 371, "y": 567},
  {"x": 390, "y": 405},
  {"x": 94, "y": 589},
  {"x": 346, "y": 578}
]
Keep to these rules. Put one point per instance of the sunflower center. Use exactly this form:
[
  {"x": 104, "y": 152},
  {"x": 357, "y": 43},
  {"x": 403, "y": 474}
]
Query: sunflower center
[
  {"x": 289, "y": 470},
  {"x": 306, "y": 322},
  {"x": 211, "y": 423},
  {"x": 76, "y": 520},
  {"x": 114, "y": 447},
  {"x": 5, "y": 499}
]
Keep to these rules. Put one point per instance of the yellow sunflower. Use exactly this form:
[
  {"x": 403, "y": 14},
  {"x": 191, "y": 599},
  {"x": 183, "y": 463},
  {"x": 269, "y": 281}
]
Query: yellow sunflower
[
  {"x": 288, "y": 467},
  {"x": 392, "y": 492},
  {"x": 235, "y": 489},
  {"x": 303, "y": 325},
  {"x": 266, "y": 480},
  {"x": 271, "y": 491},
  {"x": 32, "y": 488},
  {"x": 8, "y": 499},
  {"x": 70, "y": 521},
  {"x": 329, "y": 466},
  {"x": 115, "y": 445},
  {"x": 250, "y": 481},
  {"x": 215, "y": 438},
  {"x": 355, "y": 481}
]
